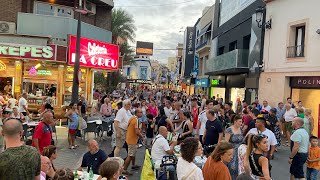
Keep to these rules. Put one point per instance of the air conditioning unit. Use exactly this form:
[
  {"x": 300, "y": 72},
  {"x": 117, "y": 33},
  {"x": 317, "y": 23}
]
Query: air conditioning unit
[
  {"x": 90, "y": 7},
  {"x": 7, "y": 27}
]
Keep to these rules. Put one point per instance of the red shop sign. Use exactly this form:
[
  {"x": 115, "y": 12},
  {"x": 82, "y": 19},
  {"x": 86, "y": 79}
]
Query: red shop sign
[
  {"x": 94, "y": 54},
  {"x": 22, "y": 51}
]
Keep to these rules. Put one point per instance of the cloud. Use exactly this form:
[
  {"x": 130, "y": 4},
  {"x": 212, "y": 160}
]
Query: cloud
[{"x": 161, "y": 24}]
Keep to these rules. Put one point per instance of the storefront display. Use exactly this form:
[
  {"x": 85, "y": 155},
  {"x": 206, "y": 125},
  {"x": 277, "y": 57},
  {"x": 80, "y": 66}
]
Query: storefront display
[{"x": 307, "y": 90}]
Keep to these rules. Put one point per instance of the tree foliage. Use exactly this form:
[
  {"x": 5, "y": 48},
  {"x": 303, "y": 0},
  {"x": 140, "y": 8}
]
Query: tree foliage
[{"x": 123, "y": 30}]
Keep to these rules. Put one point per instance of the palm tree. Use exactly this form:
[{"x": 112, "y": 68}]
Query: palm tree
[
  {"x": 123, "y": 30},
  {"x": 123, "y": 26}
]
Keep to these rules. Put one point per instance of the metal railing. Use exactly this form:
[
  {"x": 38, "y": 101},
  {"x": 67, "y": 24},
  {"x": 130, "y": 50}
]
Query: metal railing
[{"x": 295, "y": 51}]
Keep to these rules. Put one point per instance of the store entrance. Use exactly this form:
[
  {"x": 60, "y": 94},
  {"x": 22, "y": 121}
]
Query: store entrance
[
  {"x": 6, "y": 85},
  {"x": 217, "y": 92},
  {"x": 310, "y": 99},
  {"x": 237, "y": 94}
]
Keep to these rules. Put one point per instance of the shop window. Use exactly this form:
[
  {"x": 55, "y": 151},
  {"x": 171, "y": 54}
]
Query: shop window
[
  {"x": 53, "y": 10},
  {"x": 233, "y": 46},
  {"x": 37, "y": 89}
]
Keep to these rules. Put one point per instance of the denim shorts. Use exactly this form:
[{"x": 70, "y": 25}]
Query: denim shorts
[
  {"x": 312, "y": 174},
  {"x": 296, "y": 168}
]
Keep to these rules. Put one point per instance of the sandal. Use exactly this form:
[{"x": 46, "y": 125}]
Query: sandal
[
  {"x": 72, "y": 147},
  {"x": 76, "y": 146}
]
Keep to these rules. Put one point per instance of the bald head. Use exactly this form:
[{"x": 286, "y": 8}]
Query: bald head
[
  {"x": 11, "y": 128},
  {"x": 48, "y": 117},
  {"x": 93, "y": 146},
  {"x": 298, "y": 122},
  {"x": 163, "y": 131}
]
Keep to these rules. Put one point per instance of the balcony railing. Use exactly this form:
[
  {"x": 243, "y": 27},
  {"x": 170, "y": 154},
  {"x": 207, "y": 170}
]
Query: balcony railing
[
  {"x": 201, "y": 45},
  {"x": 58, "y": 27},
  {"x": 295, "y": 51},
  {"x": 234, "y": 59}
]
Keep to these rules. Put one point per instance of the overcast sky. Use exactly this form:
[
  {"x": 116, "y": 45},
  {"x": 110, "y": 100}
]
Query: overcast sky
[{"x": 160, "y": 21}]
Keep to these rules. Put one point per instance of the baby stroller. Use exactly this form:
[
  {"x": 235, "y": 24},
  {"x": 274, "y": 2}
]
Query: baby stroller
[{"x": 168, "y": 168}]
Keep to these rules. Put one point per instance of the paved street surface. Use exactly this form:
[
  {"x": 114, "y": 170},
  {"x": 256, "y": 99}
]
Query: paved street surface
[{"x": 72, "y": 158}]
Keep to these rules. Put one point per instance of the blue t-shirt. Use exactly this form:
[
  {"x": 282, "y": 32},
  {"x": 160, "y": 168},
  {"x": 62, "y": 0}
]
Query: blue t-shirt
[
  {"x": 302, "y": 137},
  {"x": 213, "y": 128},
  {"x": 94, "y": 160}
]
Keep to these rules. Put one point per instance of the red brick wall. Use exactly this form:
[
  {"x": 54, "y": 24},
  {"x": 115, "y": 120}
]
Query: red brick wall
[{"x": 9, "y": 10}]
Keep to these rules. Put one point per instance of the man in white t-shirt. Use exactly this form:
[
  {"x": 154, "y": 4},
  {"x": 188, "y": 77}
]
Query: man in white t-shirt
[
  {"x": 160, "y": 145},
  {"x": 261, "y": 129},
  {"x": 168, "y": 109},
  {"x": 202, "y": 120},
  {"x": 288, "y": 116},
  {"x": 23, "y": 104},
  {"x": 121, "y": 124}
]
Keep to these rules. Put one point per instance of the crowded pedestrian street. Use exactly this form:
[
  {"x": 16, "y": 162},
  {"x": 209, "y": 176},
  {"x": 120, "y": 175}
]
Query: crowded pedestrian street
[{"x": 159, "y": 90}]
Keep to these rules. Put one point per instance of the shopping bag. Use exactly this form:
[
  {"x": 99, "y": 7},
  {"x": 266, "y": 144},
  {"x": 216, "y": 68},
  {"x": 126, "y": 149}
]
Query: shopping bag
[
  {"x": 147, "y": 171},
  {"x": 82, "y": 123}
]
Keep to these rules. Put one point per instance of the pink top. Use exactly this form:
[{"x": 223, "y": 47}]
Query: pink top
[
  {"x": 153, "y": 111},
  {"x": 106, "y": 110}
]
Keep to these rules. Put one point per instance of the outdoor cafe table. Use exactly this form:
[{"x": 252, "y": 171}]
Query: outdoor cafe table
[{"x": 95, "y": 176}]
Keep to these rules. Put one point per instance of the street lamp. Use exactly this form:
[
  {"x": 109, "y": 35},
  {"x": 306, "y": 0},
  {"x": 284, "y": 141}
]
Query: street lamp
[
  {"x": 260, "y": 18},
  {"x": 76, "y": 68}
]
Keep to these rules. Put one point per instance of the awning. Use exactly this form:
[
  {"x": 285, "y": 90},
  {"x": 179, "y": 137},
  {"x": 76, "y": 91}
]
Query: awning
[{"x": 205, "y": 30}]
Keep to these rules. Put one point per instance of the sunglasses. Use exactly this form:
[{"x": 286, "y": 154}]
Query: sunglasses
[{"x": 261, "y": 136}]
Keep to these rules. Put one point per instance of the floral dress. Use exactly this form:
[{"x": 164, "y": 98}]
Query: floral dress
[{"x": 236, "y": 140}]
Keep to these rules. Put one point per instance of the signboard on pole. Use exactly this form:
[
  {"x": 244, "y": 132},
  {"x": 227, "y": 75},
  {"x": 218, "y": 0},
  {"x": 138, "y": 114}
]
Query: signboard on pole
[{"x": 94, "y": 54}]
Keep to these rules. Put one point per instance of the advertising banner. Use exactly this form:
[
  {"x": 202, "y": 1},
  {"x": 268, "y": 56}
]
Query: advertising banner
[
  {"x": 202, "y": 82},
  {"x": 144, "y": 48},
  {"x": 94, "y": 54}
]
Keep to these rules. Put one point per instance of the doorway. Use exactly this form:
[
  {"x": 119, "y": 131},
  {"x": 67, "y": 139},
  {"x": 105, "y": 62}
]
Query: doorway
[{"x": 6, "y": 85}]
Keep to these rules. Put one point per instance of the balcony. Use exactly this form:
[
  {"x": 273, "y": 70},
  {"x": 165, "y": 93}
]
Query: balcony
[
  {"x": 295, "y": 51},
  {"x": 58, "y": 27},
  {"x": 203, "y": 46},
  {"x": 233, "y": 62}
]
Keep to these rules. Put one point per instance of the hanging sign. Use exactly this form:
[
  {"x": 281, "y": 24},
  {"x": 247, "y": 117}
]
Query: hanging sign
[{"x": 94, "y": 54}]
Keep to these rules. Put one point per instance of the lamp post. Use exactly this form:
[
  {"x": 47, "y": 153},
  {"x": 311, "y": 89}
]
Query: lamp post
[
  {"x": 261, "y": 18},
  {"x": 76, "y": 71}
]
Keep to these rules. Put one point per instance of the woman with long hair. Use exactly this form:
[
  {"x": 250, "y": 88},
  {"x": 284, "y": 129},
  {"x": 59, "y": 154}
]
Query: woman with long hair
[
  {"x": 234, "y": 135},
  {"x": 73, "y": 117},
  {"x": 163, "y": 120},
  {"x": 259, "y": 164},
  {"x": 153, "y": 109},
  {"x": 215, "y": 167},
  {"x": 50, "y": 152},
  {"x": 186, "y": 127},
  {"x": 186, "y": 169}
]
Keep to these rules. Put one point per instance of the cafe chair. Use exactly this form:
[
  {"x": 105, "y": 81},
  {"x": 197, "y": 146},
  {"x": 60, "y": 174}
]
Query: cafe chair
[
  {"x": 106, "y": 127},
  {"x": 91, "y": 127}
]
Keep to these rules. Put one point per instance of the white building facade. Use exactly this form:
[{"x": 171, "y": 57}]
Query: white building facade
[
  {"x": 139, "y": 72},
  {"x": 291, "y": 66}
]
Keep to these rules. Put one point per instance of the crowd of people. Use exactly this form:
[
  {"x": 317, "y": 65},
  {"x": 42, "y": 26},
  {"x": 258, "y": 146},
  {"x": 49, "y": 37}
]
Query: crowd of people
[{"x": 234, "y": 144}]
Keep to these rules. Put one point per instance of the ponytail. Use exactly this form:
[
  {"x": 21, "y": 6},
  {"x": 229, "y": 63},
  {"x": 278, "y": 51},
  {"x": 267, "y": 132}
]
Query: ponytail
[{"x": 250, "y": 145}]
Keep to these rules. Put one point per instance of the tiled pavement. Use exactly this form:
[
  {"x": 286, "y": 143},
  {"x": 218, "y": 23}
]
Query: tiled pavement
[{"x": 68, "y": 158}]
